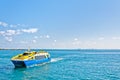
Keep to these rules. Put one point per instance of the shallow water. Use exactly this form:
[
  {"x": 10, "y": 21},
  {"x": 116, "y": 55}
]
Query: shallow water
[{"x": 65, "y": 65}]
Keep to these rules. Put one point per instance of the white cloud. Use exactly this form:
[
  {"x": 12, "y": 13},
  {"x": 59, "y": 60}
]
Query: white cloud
[
  {"x": 7, "y": 33},
  {"x": 2, "y": 32},
  {"x": 9, "y": 39},
  {"x": 55, "y": 40},
  {"x": 35, "y": 37},
  {"x": 34, "y": 41},
  {"x": 76, "y": 42},
  {"x": 47, "y": 36},
  {"x": 18, "y": 32},
  {"x": 101, "y": 38},
  {"x": 3, "y": 24},
  {"x": 13, "y": 25},
  {"x": 116, "y": 38},
  {"x": 54, "y": 43},
  {"x": 17, "y": 25},
  {"x": 15, "y": 32},
  {"x": 41, "y": 36},
  {"x": 10, "y": 32},
  {"x": 75, "y": 39},
  {"x": 31, "y": 30}
]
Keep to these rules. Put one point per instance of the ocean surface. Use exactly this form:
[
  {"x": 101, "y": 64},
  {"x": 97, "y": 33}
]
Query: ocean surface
[{"x": 65, "y": 65}]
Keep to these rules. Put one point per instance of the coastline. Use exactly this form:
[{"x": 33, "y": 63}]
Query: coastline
[{"x": 90, "y": 50}]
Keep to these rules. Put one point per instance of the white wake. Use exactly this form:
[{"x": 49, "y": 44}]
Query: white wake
[{"x": 56, "y": 59}]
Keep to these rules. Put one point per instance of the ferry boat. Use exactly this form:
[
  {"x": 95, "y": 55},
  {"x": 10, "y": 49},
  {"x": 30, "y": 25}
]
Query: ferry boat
[{"x": 32, "y": 58}]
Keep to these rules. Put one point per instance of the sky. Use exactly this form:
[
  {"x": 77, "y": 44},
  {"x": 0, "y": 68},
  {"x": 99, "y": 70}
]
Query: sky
[{"x": 60, "y": 24}]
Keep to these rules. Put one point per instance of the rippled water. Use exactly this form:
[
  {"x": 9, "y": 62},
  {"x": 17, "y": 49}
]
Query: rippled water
[{"x": 65, "y": 65}]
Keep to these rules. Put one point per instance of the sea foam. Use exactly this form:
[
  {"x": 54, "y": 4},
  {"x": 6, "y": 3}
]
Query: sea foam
[{"x": 56, "y": 59}]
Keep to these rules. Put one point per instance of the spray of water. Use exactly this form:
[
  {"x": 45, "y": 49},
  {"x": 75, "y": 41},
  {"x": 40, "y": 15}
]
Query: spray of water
[{"x": 56, "y": 59}]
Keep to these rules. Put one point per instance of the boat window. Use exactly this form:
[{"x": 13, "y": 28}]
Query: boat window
[
  {"x": 39, "y": 57},
  {"x": 35, "y": 52},
  {"x": 25, "y": 54}
]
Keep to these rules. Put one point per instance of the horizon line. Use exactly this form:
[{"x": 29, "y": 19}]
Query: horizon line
[{"x": 61, "y": 48}]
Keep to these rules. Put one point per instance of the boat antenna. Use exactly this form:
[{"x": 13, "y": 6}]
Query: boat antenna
[{"x": 29, "y": 49}]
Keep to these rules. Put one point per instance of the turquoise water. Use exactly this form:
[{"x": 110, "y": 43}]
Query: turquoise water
[{"x": 65, "y": 65}]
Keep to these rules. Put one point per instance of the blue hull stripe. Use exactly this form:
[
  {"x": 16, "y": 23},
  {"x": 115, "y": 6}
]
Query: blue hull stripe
[
  {"x": 33, "y": 62},
  {"x": 30, "y": 62}
]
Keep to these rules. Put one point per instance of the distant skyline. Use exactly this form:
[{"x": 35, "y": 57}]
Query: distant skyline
[{"x": 68, "y": 24}]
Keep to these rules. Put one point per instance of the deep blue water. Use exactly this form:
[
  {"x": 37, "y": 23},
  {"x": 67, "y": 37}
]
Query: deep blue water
[{"x": 65, "y": 65}]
